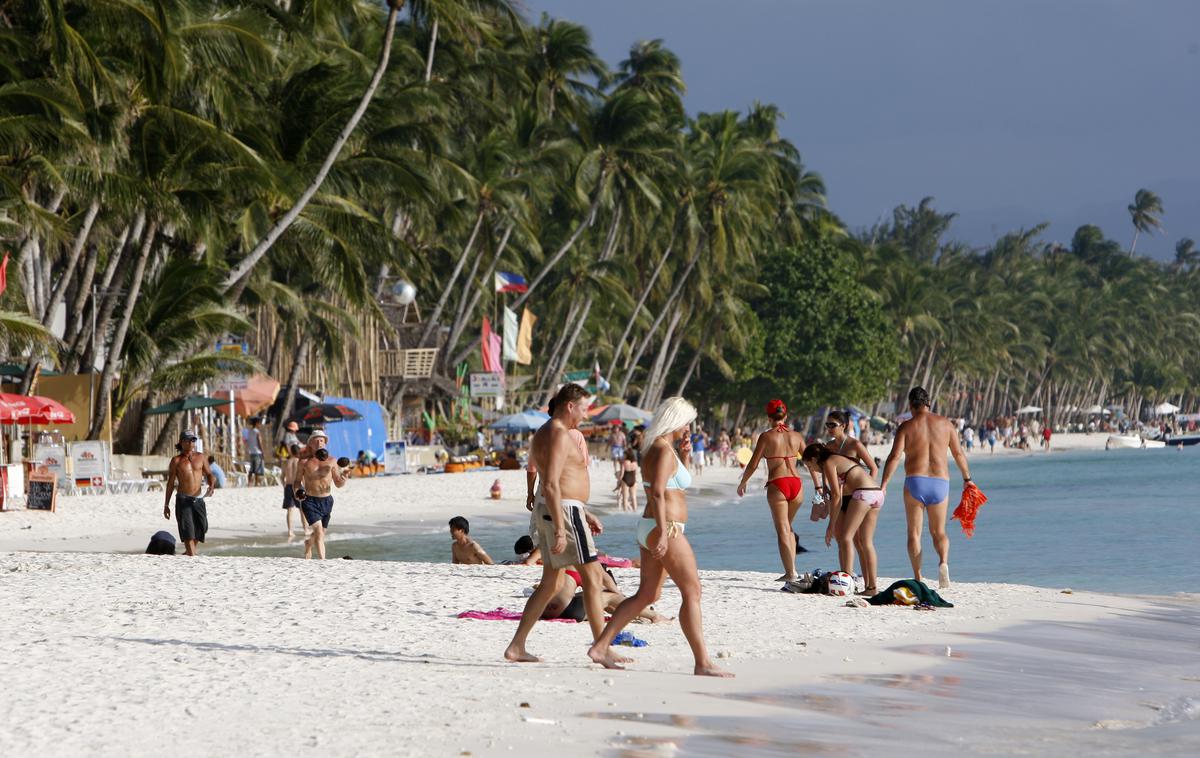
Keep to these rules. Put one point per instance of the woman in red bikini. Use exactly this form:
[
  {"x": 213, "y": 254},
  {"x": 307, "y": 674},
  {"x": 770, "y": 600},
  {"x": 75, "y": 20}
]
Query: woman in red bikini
[{"x": 780, "y": 446}]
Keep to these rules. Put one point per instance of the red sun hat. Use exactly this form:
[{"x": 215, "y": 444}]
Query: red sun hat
[{"x": 775, "y": 406}]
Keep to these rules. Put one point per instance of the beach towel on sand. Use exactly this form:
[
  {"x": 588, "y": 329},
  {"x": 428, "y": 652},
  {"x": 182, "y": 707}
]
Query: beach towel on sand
[
  {"x": 968, "y": 507},
  {"x": 503, "y": 614},
  {"x": 923, "y": 593}
]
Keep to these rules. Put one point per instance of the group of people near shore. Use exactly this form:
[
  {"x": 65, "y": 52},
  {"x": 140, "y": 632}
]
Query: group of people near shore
[
  {"x": 850, "y": 490},
  {"x": 844, "y": 474},
  {"x": 310, "y": 474}
]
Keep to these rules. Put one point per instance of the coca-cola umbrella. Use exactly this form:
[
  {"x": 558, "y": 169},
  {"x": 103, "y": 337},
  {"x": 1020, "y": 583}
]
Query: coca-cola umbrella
[{"x": 325, "y": 413}]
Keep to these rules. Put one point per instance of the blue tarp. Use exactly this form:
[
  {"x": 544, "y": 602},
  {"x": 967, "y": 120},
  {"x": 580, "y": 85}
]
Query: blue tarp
[{"x": 368, "y": 433}]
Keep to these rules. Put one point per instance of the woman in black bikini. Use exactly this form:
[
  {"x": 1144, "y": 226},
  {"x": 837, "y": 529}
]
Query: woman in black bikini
[
  {"x": 853, "y": 526},
  {"x": 837, "y": 424},
  {"x": 780, "y": 446},
  {"x": 626, "y": 479}
]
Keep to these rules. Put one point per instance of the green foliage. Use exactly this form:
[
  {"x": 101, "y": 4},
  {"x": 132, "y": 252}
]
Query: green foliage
[{"x": 826, "y": 339}]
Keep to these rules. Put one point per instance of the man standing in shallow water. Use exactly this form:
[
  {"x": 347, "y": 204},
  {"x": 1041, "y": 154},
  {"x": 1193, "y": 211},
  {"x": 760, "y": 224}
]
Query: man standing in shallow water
[
  {"x": 924, "y": 439},
  {"x": 564, "y": 526},
  {"x": 188, "y": 469},
  {"x": 313, "y": 489}
]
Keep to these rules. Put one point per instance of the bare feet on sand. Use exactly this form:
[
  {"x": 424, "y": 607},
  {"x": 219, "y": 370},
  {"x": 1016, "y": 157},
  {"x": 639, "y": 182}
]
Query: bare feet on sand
[
  {"x": 518, "y": 655},
  {"x": 943, "y": 576},
  {"x": 607, "y": 658},
  {"x": 711, "y": 670}
]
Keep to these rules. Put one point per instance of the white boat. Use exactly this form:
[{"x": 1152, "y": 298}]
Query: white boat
[{"x": 1131, "y": 441}]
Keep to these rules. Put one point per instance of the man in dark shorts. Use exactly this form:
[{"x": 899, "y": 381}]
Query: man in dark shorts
[
  {"x": 189, "y": 469},
  {"x": 313, "y": 488},
  {"x": 291, "y": 466}
]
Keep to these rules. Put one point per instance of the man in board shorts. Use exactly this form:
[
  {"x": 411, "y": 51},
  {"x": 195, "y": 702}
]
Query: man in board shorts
[
  {"x": 563, "y": 525},
  {"x": 188, "y": 470}
]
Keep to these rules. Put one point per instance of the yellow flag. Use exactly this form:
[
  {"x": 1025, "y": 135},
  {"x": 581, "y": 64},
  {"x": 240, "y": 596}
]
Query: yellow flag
[{"x": 525, "y": 338}]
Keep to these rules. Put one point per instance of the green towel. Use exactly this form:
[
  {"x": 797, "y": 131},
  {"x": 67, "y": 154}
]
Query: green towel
[{"x": 923, "y": 593}]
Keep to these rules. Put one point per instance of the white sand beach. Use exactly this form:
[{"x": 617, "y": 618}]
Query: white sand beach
[
  {"x": 142, "y": 655},
  {"x": 135, "y": 655}
]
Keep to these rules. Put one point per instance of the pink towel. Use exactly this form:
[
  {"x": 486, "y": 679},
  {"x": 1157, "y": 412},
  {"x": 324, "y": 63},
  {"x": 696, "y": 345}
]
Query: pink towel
[
  {"x": 502, "y": 614},
  {"x": 611, "y": 562}
]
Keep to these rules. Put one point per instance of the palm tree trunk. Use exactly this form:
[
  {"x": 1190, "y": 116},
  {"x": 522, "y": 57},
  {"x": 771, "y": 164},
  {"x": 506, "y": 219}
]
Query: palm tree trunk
[
  {"x": 248, "y": 263},
  {"x": 588, "y": 219},
  {"x": 432, "y": 321},
  {"x": 110, "y": 297},
  {"x": 637, "y": 309},
  {"x": 118, "y": 340},
  {"x": 570, "y": 346},
  {"x": 687, "y": 377},
  {"x": 661, "y": 385},
  {"x": 432, "y": 47},
  {"x": 1133, "y": 244},
  {"x": 464, "y": 313},
  {"x": 170, "y": 430},
  {"x": 656, "y": 368},
  {"x": 60, "y": 289},
  {"x": 75, "y": 320},
  {"x": 550, "y": 372},
  {"x": 671, "y": 299},
  {"x": 298, "y": 360}
]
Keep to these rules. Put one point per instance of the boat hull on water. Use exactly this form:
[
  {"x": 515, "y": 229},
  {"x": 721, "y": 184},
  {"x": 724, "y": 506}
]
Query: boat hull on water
[
  {"x": 1116, "y": 441},
  {"x": 1184, "y": 439}
]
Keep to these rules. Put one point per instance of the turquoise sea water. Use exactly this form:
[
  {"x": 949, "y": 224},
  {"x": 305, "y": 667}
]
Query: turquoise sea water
[{"x": 1122, "y": 521}]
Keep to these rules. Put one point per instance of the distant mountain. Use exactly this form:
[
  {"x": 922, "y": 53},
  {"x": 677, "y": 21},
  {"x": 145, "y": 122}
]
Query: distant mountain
[{"x": 1181, "y": 218}]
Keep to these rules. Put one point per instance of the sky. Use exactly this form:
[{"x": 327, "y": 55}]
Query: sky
[{"x": 1008, "y": 112}]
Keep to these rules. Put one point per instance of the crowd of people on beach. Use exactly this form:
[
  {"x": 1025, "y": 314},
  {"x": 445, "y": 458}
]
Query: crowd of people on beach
[{"x": 849, "y": 485}]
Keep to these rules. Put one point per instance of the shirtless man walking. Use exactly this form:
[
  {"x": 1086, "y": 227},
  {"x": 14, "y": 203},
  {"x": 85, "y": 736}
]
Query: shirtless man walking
[
  {"x": 564, "y": 526},
  {"x": 924, "y": 440},
  {"x": 313, "y": 488},
  {"x": 188, "y": 470}
]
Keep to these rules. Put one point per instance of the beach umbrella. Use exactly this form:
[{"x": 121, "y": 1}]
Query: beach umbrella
[
  {"x": 879, "y": 424},
  {"x": 525, "y": 421},
  {"x": 260, "y": 391},
  {"x": 623, "y": 413},
  {"x": 326, "y": 413},
  {"x": 1028, "y": 409},
  {"x": 13, "y": 409},
  {"x": 33, "y": 409},
  {"x": 1165, "y": 409},
  {"x": 188, "y": 403}
]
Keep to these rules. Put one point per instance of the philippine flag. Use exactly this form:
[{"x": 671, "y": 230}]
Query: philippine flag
[{"x": 507, "y": 281}]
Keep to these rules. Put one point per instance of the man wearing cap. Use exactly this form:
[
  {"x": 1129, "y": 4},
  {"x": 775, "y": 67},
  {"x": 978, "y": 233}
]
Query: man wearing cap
[
  {"x": 189, "y": 469},
  {"x": 313, "y": 488}
]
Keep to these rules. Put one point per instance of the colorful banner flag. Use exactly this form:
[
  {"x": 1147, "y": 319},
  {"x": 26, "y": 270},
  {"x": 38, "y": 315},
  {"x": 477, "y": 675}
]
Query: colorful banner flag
[
  {"x": 525, "y": 338},
  {"x": 510, "y": 334},
  {"x": 507, "y": 281},
  {"x": 490, "y": 347},
  {"x": 4, "y": 274}
]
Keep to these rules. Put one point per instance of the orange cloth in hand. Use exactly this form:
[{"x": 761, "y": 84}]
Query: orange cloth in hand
[{"x": 968, "y": 507}]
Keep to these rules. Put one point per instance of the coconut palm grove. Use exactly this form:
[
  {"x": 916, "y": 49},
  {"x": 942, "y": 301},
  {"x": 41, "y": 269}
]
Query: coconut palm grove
[{"x": 331, "y": 186}]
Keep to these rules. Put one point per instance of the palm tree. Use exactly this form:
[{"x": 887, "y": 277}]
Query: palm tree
[
  {"x": 1144, "y": 212},
  {"x": 1186, "y": 255},
  {"x": 279, "y": 227}
]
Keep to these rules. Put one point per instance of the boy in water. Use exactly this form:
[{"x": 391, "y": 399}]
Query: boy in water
[{"x": 463, "y": 549}]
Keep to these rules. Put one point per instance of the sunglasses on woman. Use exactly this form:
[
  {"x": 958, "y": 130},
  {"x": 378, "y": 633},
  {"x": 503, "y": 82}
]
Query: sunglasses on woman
[{"x": 832, "y": 425}]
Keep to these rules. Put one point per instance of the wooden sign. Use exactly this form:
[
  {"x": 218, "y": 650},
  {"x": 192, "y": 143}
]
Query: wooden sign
[{"x": 43, "y": 490}]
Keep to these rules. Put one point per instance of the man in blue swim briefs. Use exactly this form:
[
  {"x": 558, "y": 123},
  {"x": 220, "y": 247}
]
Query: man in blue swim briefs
[{"x": 924, "y": 439}]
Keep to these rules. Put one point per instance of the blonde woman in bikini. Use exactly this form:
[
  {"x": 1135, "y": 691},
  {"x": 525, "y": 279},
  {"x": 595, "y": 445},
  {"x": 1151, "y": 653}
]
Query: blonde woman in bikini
[
  {"x": 854, "y": 525},
  {"x": 780, "y": 446},
  {"x": 665, "y": 551}
]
